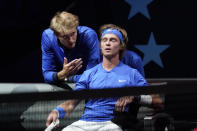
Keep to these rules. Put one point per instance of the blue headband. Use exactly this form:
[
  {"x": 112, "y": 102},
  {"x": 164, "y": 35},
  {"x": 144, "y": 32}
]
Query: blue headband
[{"x": 113, "y": 31}]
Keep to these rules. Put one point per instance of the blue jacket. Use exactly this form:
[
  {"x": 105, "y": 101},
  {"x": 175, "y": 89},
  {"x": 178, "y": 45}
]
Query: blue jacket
[
  {"x": 87, "y": 48},
  {"x": 133, "y": 60}
]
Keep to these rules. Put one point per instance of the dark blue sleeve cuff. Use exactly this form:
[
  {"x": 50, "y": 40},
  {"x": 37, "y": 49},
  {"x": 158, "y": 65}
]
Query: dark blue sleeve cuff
[{"x": 55, "y": 79}]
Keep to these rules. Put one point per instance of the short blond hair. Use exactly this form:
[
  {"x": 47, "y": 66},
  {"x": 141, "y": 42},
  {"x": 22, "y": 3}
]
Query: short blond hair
[
  {"x": 121, "y": 30},
  {"x": 63, "y": 22}
]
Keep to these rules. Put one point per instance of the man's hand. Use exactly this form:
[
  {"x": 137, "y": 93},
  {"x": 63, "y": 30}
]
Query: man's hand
[
  {"x": 70, "y": 68},
  {"x": 52, "y": 117},
  {"x": 122, "y": 102}
]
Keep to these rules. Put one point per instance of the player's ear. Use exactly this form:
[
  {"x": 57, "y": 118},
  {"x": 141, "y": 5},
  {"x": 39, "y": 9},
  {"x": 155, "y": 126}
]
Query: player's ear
[{"x": 122, "y": 46}]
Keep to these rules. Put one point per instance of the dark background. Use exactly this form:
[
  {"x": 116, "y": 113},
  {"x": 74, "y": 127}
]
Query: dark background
[{"x": 172, "y": 22}]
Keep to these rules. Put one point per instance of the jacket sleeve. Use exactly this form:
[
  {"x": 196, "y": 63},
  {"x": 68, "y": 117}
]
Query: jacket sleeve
[{"x": 49, "y": 67}]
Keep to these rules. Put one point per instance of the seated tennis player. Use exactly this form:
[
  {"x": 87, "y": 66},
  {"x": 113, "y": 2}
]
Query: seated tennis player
[
  {"x": 128, "y": 120},
  {"x": 111, "y": 73}
]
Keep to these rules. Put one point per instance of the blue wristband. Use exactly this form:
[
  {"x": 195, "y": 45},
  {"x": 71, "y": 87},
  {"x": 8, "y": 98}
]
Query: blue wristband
[{"x": 61, "y": 112}]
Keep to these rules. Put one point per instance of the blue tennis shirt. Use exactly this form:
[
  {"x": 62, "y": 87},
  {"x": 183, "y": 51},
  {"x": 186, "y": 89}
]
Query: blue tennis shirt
[{"x": 98, "y": 78}]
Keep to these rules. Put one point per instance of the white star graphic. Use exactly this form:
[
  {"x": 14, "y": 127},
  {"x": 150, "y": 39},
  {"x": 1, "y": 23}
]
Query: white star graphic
[
  {"x": 152, "y": 51},
  {"x": 138, "y": 6}
]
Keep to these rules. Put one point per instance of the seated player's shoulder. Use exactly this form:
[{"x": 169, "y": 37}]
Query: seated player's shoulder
[{"x": 128, "y": 68}]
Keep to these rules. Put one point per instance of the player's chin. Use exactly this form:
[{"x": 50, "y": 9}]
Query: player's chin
[
  {"x": 108, "y": 55},
  {"x": 70, "y": 46}
]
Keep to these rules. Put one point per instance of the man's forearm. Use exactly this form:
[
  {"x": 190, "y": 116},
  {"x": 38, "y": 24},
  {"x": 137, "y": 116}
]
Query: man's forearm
[
  {"x": 61, "y": 76},
  {"x": 69, "y": 106}
]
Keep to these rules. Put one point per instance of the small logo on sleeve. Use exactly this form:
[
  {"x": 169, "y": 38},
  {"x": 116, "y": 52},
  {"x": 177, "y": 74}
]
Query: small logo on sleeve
[{"x": 122, "y": 81}]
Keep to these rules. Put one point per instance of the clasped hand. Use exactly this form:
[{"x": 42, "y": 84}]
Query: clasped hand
[{"x": 70, "y": 68}]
